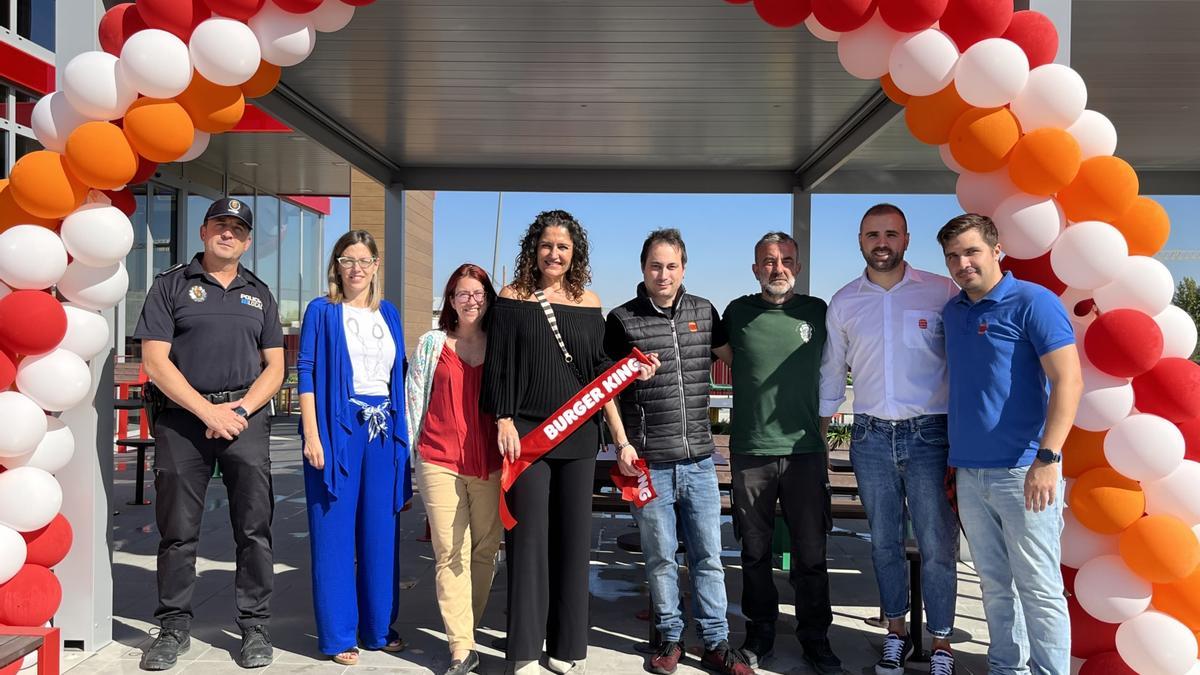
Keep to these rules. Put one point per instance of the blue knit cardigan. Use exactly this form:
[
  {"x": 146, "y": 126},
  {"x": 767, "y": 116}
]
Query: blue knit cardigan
[{"x": 324, "y": 370}]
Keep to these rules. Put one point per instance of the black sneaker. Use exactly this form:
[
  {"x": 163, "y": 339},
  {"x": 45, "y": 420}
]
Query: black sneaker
[
  {"x": 896, "y": 650},
  {"x": 666, "y": 658},
  {"x": 820, "y": 657},
  {"x": 168, "y": 646},
  {"x": 941, "y": 662},
  {"x": 256, "y": 649},
  {"x": 758, "y": 647}
]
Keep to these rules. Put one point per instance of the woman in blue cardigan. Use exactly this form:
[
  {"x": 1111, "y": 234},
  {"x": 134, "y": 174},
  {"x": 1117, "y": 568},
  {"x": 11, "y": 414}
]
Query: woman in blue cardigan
[{"x": 356, "y": 472}]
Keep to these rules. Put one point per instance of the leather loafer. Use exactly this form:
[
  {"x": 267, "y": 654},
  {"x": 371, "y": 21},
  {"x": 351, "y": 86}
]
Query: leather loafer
[
  {"x": 166, "y": 650},
  {"x": 464, "y": 666}
]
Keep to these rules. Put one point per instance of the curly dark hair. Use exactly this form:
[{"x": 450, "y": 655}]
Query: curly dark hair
[{"x": 527, "y": 274}]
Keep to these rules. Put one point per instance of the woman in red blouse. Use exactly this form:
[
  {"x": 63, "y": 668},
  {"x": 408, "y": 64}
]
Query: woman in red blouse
[{"x": 459, "y": 468}]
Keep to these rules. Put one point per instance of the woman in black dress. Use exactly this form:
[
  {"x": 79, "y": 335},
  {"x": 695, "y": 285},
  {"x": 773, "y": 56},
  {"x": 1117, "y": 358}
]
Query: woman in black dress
[{"x": 526, "y": 378}]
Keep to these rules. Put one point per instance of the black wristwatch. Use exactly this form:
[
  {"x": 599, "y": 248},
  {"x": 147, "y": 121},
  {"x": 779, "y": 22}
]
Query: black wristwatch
[
  {"x": 241, "y": 411},
  {"x": 1049, "y": 456}
]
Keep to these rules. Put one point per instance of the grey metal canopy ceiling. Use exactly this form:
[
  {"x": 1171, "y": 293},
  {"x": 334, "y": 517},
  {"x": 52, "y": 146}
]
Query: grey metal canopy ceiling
[{"x": 663, "y": 95}]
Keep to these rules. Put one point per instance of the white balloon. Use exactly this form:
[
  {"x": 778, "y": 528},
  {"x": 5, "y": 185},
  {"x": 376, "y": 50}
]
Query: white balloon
[
  {"x": 57, "y": 380},
  {"x": 1086, "y": 254},
  {"x": 1154, "y": 642},
  {"x": 982, "y": 192},
  {"x": 820, "y": 32},
  {"x": 226, "y": 52},
  {"x": 286, "y": 39},
  {"x": 1106, "y": 400},
  {"x": 1028, "y": 225},
  {"x": 53, "y": 119},
  {"x": 864, "y": 51},
  {"x": 94, "y": 287},
  {"x": 97, "y": 234},
  {"x": 1071, "y": 299},
  {"x": 1140, "y": 283},
  {"x": 991, "y": 73},
  {"x": 1144, "y": 447},
  {"x": 97, "y": 87},
  {"x": 53, "y": 453},
  {"x": 87, "y": 331},
  {"x": 1179, "y": 332},
  {"x": 1095, "y": 133},
  {"x": 12, "y": 553},
  {"x": 29, "y": 498},
  {"x": 22, "y": 424},
  {"x": 199, "y": 145},
  {"x": 948, "y": 158},
  {"x": 1080, "y": 544},
  {"x": 330, "y": 17},
  {"x": 1177, "y": 494},
  {"x": 156, "y": 63},
  {"x": 1055, "y": 96},
  {"x": 31, "y": 257},
  {"x": 923, "y": 63},
  {"x": 1109, "y": 591}
]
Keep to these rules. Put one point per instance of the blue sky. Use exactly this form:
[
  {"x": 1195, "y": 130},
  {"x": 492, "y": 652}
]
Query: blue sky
[{"x": 720, "y": 231}]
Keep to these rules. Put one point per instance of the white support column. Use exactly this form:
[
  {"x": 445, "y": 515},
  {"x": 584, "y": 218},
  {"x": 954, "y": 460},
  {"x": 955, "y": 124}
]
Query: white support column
[
  {"x": 85, "y": 615},
  {"x": 802, "y": 232},
  {"x": 393, "y": 237}
]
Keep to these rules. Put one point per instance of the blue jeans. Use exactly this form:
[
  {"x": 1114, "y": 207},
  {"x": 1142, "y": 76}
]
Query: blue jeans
[
  {"x": 1016, "y": 554},
  {"x": 687, "y": 501},
  {"x": 896, "y": 462}
]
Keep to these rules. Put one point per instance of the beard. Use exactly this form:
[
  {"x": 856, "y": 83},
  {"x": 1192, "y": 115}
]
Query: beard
[
  {"x": 886, "y": 264},
  {"x": 777, "y": 288}
]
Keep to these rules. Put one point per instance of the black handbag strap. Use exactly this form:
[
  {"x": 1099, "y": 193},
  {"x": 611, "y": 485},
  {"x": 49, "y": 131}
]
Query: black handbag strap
[{"x": 553, "y": 321}]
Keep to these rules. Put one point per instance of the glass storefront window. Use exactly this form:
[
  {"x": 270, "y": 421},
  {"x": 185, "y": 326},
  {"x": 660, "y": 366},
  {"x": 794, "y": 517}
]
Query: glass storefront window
[
  {"x": 24, "y": 108},
  {"x": 289, "y": 283},
  {"x": 35, "y": 21},
  {"x": 162, "y": 225},
  {"x": 197, "y": 206},
  {"x": 135, "y": 265},
  {"x": 312, "y": 282},
  {"x": 266, "y": 241},
  {"x": 25, "y": 145}
]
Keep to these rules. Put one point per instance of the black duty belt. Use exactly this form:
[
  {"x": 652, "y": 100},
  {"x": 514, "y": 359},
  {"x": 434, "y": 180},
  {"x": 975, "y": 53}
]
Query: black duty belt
[{"x": 219, "y": 397}]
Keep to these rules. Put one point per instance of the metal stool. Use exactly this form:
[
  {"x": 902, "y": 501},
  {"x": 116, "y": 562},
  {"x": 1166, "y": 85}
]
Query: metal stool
[{"x": 140, "y": 444}]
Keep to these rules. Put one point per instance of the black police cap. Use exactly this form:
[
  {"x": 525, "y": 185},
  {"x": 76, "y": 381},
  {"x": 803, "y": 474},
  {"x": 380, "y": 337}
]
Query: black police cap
[{"x": 231, "y": 207}]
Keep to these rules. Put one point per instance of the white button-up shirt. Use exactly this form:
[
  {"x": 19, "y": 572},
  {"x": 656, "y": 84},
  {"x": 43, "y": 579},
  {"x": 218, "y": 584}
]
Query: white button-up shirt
[{"x": 893, "y": 343}]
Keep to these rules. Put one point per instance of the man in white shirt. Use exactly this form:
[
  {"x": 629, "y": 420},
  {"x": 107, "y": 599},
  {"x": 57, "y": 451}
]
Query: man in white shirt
[{"x": 886, "y": 327}]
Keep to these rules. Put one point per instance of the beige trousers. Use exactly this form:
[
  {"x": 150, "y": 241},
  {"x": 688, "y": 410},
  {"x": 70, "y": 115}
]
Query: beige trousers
[{"x": 464, "y": 525}]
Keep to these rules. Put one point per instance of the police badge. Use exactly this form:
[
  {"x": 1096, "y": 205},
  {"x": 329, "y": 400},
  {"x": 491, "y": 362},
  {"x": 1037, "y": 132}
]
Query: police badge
[{"x": 197, "y": 293}]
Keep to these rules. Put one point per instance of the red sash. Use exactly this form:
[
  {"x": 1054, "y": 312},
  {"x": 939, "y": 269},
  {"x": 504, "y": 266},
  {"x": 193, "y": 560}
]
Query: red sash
[
  {"x": 572, "y": 415},
  {"x": 637, "y": 489}
]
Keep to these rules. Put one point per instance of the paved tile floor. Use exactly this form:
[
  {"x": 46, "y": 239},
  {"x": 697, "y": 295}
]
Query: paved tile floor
[{"x": 617, "y": 585}]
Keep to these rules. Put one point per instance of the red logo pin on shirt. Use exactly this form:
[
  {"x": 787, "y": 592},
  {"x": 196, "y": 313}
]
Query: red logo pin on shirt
[
  {"x": 693, "y": 327},
  {"x": 982, "y": 327},
  {"x": 923, "y": 324}
]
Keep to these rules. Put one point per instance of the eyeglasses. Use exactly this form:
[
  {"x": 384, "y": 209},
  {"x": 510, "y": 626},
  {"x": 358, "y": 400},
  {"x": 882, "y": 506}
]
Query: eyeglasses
[
  {"x": 364, "y": 263},
  {"x": 463, "y": 296}
]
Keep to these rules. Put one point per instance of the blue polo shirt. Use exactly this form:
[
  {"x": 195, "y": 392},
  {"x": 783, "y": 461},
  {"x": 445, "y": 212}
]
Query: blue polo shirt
[{"x": 998, "y": 390}]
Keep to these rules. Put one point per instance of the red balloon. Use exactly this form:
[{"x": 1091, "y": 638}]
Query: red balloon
[
  {"x": 969, "y": 21},
  {"x": 298, "y": 6},
  {"x": 30, "y": 598},
  {"x": 910, "y": 16},
  {"x": 1123, "y": 343},
  {"x": 145, "y": 171},
  {"x": 783, "y": 13},
  {"x": 235, "y": 9},
  {"x": 1191, "y": 439},
  {"x": 1089, "y": 636},
  {"x": 8, "y": 370},
  {"x": 31, "y": 322},
  {"x": 49, "y": 545},
  {"x": 1068, "y": 575},
  {"x": 174, "y": 16},
  {"x": 1035, "y": 34},
  {"x": 732, "y": 2},
  {"x": 1035, "y": 270},
  {"x": 117, "y": 25},
  {"x": 1108, "y": 663},
  {"x": 843, "y": 15},
  {"x": 124, "y": 200},
  {"x": 1170, "y": 389},
  {"x": 358, "y": 3}
]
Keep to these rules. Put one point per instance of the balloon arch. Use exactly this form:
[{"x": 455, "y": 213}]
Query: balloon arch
[{"x": 976, "y": 79}]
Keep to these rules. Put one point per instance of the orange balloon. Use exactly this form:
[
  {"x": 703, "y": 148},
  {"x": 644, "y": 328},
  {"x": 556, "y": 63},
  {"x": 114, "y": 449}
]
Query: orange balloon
[
  {"x": 12, "y": 214},
  {"x": 983, "y": 138},
  {"x": 1044, "y": 161},
  {"x": 1083, "y": 451},
  {"x": 1104, "y": 189},
  {"x": 930, "y": 118},
  {"x": 1104, "y": 501},
  {"x": 1145, "y": 225},
  {"x": 42, "y": 185},
  {"x": 263, "y": 80},
  {"x": 100, "y": 156},
  {"x": 1160, "y": 549},
  {"x": 893, "y": 92},
  {"x": 1180, "y": 599},
  {"x": 159, "y": 130},
  {"x": 213, "y": 108}
]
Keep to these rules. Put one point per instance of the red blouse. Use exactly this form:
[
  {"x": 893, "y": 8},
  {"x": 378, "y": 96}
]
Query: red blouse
[{"x": 456, "y": 434}]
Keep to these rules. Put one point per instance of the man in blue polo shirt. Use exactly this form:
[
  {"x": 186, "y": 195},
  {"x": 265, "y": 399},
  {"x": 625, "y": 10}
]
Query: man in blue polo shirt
[{"x": 1014, "y": 388}]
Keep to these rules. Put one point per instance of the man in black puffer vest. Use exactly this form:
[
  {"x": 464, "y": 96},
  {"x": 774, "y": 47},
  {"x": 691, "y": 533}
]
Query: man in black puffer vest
[{"x": 666, "y": 422}]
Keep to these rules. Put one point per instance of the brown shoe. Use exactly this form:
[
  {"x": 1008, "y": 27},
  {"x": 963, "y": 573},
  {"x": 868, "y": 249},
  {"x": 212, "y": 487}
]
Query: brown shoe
[
  {"x": 666, "y": 659},
  {"x": 725, "y": 660}
]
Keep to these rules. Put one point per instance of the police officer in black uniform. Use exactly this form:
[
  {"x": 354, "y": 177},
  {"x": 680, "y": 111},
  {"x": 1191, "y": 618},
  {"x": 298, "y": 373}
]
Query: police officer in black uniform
[{"x": 213, "y": 346}]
